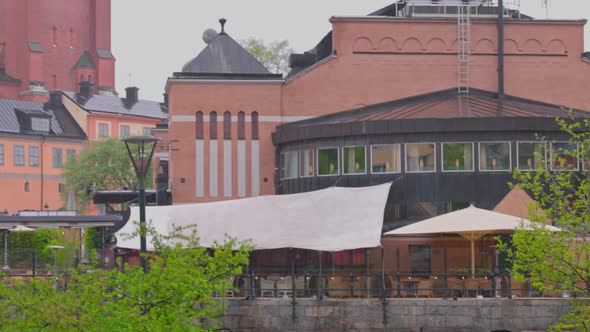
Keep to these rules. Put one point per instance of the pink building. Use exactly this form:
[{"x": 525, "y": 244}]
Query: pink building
[{"x": 224, "y": 106}]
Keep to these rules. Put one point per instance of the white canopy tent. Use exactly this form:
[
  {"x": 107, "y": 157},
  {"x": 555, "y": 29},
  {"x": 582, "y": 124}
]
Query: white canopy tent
[
  {"x": 331, "y": 219},
  {"x": 471, "y": 223}
]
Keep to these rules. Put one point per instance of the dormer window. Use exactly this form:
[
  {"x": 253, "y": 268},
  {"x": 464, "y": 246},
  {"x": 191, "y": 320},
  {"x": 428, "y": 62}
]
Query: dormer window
[
  {"x": 40, "y": 124},
  {"x": 34, "y": 120}
]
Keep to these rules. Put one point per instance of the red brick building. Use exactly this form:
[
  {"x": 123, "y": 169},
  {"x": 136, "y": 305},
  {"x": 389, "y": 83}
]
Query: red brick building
[{"x": 49, "y": 45}]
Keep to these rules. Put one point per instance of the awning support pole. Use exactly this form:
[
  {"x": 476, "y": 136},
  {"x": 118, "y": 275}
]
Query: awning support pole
[
  {"x": 383, "y": 297},
  {"x": 472, "y": 258},
  {"x": 320, "y": 280}
]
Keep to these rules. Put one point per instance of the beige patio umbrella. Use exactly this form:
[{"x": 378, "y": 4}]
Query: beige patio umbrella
[{"x": 471, "y": 223}]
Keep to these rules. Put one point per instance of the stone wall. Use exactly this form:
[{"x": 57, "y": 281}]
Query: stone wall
[{"x": 421, "y": 315}]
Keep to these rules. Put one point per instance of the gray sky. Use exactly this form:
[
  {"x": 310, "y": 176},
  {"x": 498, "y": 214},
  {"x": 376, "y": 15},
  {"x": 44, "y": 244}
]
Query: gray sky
[{"x": 154, "y": 38}]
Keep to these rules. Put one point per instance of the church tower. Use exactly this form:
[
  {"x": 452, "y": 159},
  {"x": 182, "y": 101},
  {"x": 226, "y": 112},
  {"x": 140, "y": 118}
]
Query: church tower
[{"x": 47, "y": 45}]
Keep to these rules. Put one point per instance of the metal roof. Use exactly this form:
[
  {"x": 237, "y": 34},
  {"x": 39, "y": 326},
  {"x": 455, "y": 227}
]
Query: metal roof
[
  {"x": 116, "y": 105},
  {"x": 224, "y": 55},
  {"x": 8, "y": 117},
  {"x": 446, "y": 104},
  {"x": 104, "y": 53},
  {"x": 85, "y": 61}
]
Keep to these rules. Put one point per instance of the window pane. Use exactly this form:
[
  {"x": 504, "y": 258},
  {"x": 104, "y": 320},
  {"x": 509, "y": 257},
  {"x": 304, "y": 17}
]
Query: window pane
[
  {"x": 57, "y": 155},
  {"x": 306, "y": 162},
  {"x": 530, "y": 155},
  {"x": 103, "y": 130},
  {"x": 353, "y": 160},
  {"x": 564, "y": 156},
  {"x": 19, "y": 155},
  {"x": 420, "y": 157},
  {"x": 289, "y": 163},
  {"x": 421, "y": 259},
  {"x": 494, "y": 156},
  {"x": 385, "y": 158},
  {"x": 70, "y": 154},
  {"x": 1, "y": 154},
  {"x": 328, "y": 161},
  {"x": 124, "y": 131},
  {"x": 33, "y": 156},
  {"x": 40, "y": 124},
  {"x": 148, "y": 131},
  {"x": 457, "y": 157}
]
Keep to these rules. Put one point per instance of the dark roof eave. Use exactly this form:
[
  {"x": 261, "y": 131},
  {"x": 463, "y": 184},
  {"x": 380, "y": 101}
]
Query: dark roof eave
[
  {"x": 227, "y": 76},
  {"x": 413, "y": 126},
  {"x": 59, "y": 221}
]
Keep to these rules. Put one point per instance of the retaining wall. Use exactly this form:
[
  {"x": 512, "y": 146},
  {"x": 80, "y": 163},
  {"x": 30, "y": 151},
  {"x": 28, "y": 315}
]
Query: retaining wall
[{"x": 400, "y": 314}]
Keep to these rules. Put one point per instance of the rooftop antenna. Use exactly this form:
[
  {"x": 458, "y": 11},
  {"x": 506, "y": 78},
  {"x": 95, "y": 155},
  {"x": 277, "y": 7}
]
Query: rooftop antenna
[{"x": 546, "y": 5}]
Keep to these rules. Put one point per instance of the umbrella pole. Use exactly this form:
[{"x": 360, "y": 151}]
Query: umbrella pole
[{"x": 472, "y": 257}]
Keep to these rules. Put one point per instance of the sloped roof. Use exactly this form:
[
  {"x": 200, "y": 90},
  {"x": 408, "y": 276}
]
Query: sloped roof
[
  {"x": 85, "y": 61},
  {"x": 447, "y": 104},
  {"x": 116, "y": 105},
  {"x": 59, "y": 125},
  {"x": 515, "y": 203},
  {"x": 224, "y": 55}
]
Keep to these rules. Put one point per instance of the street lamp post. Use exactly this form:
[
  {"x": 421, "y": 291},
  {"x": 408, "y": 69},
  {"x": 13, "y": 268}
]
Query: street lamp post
[{"x": 141, "y": 150}]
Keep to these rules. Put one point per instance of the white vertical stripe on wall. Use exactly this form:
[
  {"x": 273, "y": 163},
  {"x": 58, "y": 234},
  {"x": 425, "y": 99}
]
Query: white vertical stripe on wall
[
  {"x": 200, "y": 168},
  {"x": 255, "y": 168},
  {"x": 213, "y": 178},
  {"x": 227, "y": 171},
  {"x": 242, "y": 168}
]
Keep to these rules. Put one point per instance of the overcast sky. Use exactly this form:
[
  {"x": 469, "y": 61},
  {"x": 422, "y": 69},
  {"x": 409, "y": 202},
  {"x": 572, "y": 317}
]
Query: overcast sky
[{"x": 151, "y": 39}]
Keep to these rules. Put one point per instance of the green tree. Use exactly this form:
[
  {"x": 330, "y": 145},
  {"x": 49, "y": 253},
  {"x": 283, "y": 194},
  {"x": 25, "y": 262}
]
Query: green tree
[
  {"x": 274, "y": 56},
  {"x": 104, "y": 163},
  {"x": 176, "y": 295},
  {"x": 559, "y": 261}
]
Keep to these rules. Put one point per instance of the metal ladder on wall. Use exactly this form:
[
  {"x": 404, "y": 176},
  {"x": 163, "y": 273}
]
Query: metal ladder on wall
[{"x": 463, "y": 47}]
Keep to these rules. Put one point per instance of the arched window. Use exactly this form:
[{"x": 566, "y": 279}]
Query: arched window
[
  {"x": 213, "y": 125},
  {"x": 81, "y": 77},
  {"x": 227, "y": 125},
  {"x": 89, "y": 78},
  {"x": 254, "y": 125},
  {"x": 199, "y": 125},
  {"x": 241, "y": 125}
]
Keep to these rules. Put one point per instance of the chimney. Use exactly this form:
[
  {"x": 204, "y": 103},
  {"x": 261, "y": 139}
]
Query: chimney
[
  {"x": 86, "y": 89},
  {"x": 55, "y": 98},
  {"x": 131, "y": 95}
]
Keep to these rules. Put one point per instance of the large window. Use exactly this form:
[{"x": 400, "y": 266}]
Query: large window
[
  {"x": 241, "y": 125},
  {"x": 103, "y": 130},
  {"x": 494, "y": 156},
  {"x": 457, "y": 157},
  {"x": 564, "y": 156},
  {"x": 124, "y": 131},
  {"x": 19, "y": 155},
  {"x": 385, "y": 158},
  {"x": 1, "y": 154},
  {"x": 40, "y": 124},
  {"x": 328, "y": 161},
  {"x": 288, "y": 163},
  {"x": 70, "y": 154},
  {"x": 420, "y": 259},
  {"x": 420, "y": 157},
  {"x": 33, "y": 156},
  {"x": 57, "y": 157},
  {"x": 306, "y": 163},
  {"x": 530, "y": 155},
  {"x": 354, "y": 160}
]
